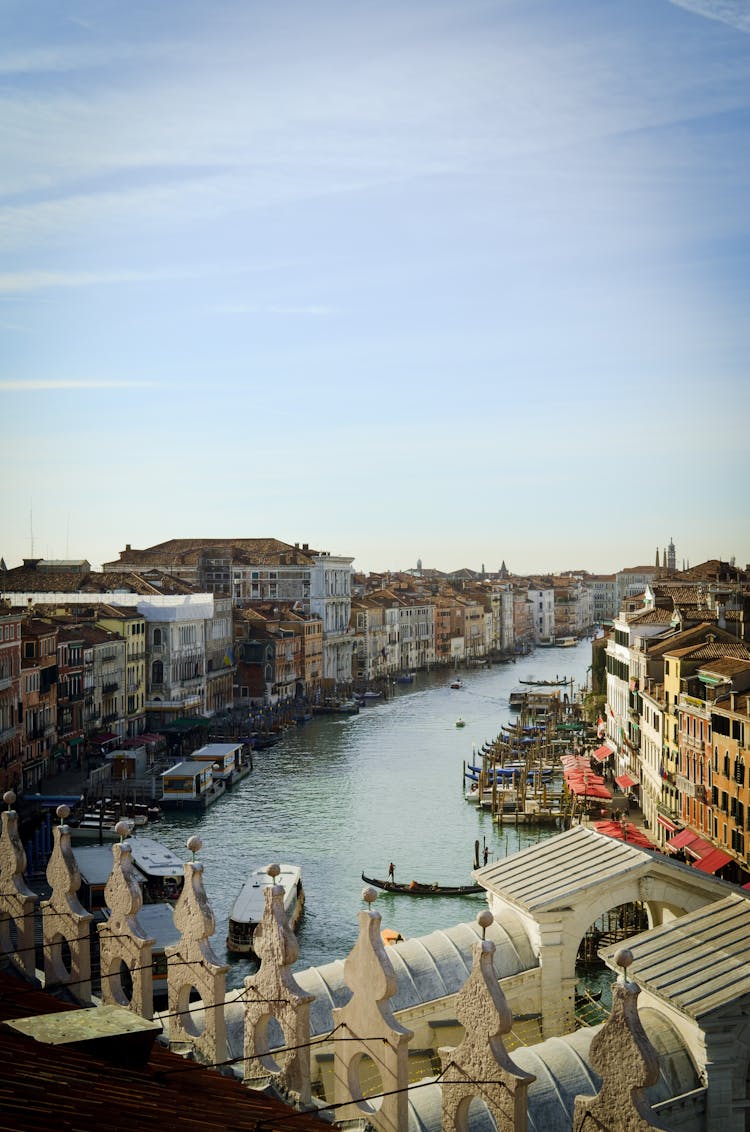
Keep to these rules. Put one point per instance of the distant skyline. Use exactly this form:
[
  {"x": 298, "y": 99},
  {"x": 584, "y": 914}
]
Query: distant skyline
[{"x": 465, "y": 281}]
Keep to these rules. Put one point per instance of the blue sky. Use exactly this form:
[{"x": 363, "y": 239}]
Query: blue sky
[{"x": 465, "y": 280}]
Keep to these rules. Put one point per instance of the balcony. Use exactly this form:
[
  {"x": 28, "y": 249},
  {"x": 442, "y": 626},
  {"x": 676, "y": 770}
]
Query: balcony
[
  {"x": 108, "y": 689},
  {"x": 8, "y": 734},
  {"x": 6, "y": 682},
  {"x": 113, "y": 715}
]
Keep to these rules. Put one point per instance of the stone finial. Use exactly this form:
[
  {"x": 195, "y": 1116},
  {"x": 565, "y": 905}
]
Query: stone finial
[
  {"x": 628, "y": 1064},
  {"x": 17, "y": 901},
  {"x": 65, "y": 923},
  {"x": 274, "y": 994},
  {"x": 192, "y": 965},
  {"x": 483, "y": 1011},
  {"x": 122, "y": 940},
  {"x": 371, "y": 1032}
]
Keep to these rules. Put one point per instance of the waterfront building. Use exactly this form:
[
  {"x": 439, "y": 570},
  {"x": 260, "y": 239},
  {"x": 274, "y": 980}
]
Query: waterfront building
[
  {"x": 572, "y": 607},
  {"x": 70, "y": 724},
  {"x": 632, "y": 581},
  {"x": 38, "y": 700},
  {"x": 263, "y": 570},
  {"x": 269, "y": 649},
  {"x": 131, "y": 626},
  {"x": 604, "y": 607},
  {"x": 542, "y": 610},
  {"x": 374, "y": 654},
  {"x": 10, "y": 698},
  {"x": 525, "y": 620}
]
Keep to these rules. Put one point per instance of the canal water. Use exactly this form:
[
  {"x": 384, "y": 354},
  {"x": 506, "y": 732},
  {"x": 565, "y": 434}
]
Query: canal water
[{"x": 345, "y": 795}]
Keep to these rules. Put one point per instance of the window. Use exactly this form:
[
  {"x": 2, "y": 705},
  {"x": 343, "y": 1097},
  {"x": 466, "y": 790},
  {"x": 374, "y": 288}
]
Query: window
[
  {"x": 157, "y": 672},
  {"x": 157, "y": 636}
]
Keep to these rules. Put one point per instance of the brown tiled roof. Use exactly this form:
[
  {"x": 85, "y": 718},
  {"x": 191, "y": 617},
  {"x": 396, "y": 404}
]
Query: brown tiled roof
[
  {"x": 726, "y": 666},
  {"x": 22, "y": 580},
  {"x": 713, "y": 650},
  {"x": 656, "y": 616},
  {"x": 189, "y": 551},
  {"x": 57, "y": 1086}
]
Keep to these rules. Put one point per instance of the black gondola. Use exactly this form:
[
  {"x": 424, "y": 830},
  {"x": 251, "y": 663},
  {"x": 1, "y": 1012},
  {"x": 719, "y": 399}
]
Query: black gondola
[{"x": 417, "y": 888}]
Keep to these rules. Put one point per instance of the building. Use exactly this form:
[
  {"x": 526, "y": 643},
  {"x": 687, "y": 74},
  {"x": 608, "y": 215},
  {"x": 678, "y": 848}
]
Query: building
[{"x": 10, "y": 699}]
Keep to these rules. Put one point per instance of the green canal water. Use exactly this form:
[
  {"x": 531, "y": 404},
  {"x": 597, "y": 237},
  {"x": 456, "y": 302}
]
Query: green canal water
[{"x": 343, "y": 795}]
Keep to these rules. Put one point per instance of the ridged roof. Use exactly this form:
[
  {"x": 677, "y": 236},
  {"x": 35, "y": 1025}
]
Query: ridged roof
[
  {"x": 427, "y": 967},
  {"x": 563, "y": 1071},
  {"x": 553, "y": 872},
  {"x": 700, "y": 962}
]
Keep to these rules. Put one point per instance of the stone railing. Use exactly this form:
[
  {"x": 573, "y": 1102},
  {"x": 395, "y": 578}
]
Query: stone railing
[{"x": 366, "y": 1031}]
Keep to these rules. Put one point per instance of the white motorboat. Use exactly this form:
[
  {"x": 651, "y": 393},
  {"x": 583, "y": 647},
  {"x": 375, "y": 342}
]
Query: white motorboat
[{"x": 249, "y": 906}]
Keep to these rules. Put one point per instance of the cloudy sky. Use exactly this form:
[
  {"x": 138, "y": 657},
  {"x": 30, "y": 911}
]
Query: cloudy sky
[{"x": 465, "y": 280}]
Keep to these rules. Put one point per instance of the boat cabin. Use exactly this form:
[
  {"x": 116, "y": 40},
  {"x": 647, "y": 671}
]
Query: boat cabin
[
  {"x": 223, "y": 758},
  {"x": 162, "y": 872},
  {"x": 187, "y": 783},
  {"x": 127, "y": 764}
]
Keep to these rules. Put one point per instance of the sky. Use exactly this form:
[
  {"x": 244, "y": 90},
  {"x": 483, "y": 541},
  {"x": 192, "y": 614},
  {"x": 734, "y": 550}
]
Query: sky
[{"x": 465, "y": 281}]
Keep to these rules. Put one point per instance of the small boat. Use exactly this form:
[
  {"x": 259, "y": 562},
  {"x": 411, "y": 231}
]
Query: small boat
[
  {"x": 249, "y": 906},
  {"x": 417, "y": 888},
  {"x": 369, "y": 697},
  {"x": 389, "y": 937},
  {"x": 460, "y": 722},
  {"x": 405, "y": 678},
  {"x": 457, "y": 683}
]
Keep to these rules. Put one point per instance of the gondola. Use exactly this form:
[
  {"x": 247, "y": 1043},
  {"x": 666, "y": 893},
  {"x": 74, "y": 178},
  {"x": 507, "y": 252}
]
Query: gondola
[{"x": 416, "y": 888}]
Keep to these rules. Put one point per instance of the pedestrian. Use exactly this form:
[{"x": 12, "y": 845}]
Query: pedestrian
[
  {"x": 486, "y": 854},
  {"x": 392, "y": 871}
]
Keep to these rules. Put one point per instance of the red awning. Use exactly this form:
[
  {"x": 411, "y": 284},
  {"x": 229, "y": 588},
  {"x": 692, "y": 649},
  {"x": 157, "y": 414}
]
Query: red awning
[
  {"x": 681, "y": 840},
  {"x": 630, "y": 833},
  {"x": 624, "y": 781},
  {"x": 588, "y": 790},
  {"x": 699, "y": 848},
  {"x": 713, "y": 861},
  {"x": 666, "y": 823},
  {"x": 601, "y": 753}
]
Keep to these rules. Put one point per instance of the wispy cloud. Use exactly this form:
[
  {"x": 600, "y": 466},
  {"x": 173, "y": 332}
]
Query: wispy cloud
[
  {"x": 23, "y": 281},
  {"x": 37, "y": 385},
  {"x": 732, "y": 12}
]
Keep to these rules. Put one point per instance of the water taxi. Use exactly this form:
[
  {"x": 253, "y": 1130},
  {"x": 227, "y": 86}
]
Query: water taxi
[{"x": 249, "y": 906}]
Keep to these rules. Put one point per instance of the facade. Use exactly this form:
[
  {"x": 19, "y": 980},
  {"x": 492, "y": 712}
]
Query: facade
[
  {"x": 70, "y": 725},
  {"x": 330, "y": 602},
  {"x": 604, "y": 606},
  {"x": 10, "y": 699},
  {"x": 38, "y": 701},
  {"x": 542, "y": 609},
  {"x": 131, "y": 626}
]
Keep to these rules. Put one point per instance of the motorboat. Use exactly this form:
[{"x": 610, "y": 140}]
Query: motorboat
[
  {"x": 250, "y": 904},
  {"x": 457, "y": 683},
  {"x": 460, "y": 722}
]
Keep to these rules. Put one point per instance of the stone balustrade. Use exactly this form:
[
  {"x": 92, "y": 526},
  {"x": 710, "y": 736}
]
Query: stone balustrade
[{"x": 366, "y": 1033}]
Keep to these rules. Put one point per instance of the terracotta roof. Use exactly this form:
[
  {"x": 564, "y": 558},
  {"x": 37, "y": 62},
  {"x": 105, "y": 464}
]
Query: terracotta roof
[
  {"x": 188, "y": 552},
  {"x": 713, "y": 650},
  {"x": 57, "y": 1086}
]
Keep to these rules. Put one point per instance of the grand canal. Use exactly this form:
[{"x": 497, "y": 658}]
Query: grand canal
[{"x": 342, "y": 795}]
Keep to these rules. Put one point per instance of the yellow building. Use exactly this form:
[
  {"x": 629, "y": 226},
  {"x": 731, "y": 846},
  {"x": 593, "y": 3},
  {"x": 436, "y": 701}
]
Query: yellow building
[{"x": 131, "y": 626}]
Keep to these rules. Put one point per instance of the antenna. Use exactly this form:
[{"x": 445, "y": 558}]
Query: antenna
[{"x": 31, "y": 528}]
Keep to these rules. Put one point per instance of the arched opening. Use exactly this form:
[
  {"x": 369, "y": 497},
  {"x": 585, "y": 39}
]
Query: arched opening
[
  {"x": 593, "y": 978},
  {"x": 192, "y": 1020},
  {"x": 269, "y": 1036},
  {"x": 365, "y": 1083}
]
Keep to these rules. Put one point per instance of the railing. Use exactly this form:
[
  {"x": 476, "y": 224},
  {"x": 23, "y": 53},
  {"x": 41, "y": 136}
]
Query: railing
[{"x": 108, "y": 689}]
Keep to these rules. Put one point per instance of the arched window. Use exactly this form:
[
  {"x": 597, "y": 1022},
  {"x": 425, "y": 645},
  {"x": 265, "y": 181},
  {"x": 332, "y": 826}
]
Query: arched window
[
  {"x": 739, "y": 771},
  {"x": 727, "y": 770},
  {"x": 157, "y": 672}
]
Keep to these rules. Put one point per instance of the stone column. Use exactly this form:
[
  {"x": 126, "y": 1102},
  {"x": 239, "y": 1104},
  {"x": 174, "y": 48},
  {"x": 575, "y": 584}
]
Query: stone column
[
  {"x": 17, "y": 902},
  {"x": 626, "y": 1061},
  {"x": 480, "y": 1066},
  {"x": 122, "y": 940},
  {"x": 192, "y": 965},
  {"x": 273, "y": 993},
  {"x": 367, "y": 1029},
  {"x": 65, "y": 923}
]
